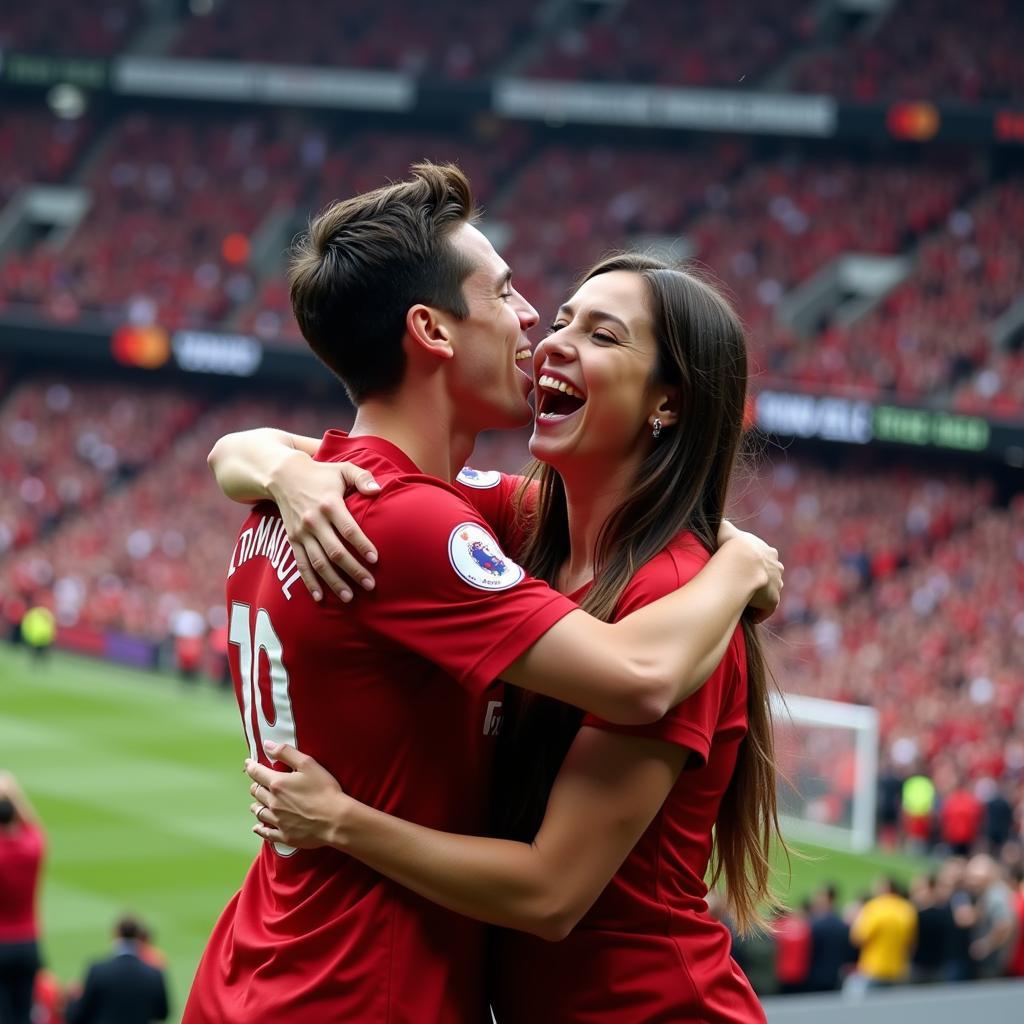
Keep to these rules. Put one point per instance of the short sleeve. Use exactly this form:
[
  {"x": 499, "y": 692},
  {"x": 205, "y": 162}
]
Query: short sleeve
[
  {"x": 496, "y": 497},
  {"x": 446, "y": 590},
  {"x": 693, "y": 722}
]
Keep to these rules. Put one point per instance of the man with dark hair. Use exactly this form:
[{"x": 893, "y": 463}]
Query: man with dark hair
[
  {"x": 22, "y": 848},
  {"x": 408, "y": 303},
  {"x": 123, "y": 989}
]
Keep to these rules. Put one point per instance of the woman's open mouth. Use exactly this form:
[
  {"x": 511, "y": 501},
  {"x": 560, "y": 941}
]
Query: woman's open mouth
[{"x": 557, "y": 399}]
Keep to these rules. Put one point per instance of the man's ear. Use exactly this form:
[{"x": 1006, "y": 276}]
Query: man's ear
[
  {"x": 666, "y": 406},
  {"x": 428, "y": 331}
]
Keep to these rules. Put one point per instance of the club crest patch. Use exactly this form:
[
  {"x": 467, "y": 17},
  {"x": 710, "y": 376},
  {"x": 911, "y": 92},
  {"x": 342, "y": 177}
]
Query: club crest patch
[
  {"x": 477, "y": 559},
  {"x": 481, "y": 479}
]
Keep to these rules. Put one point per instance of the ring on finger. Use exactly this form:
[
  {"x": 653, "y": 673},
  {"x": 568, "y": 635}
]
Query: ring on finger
[{"x": 260, "y": 810}]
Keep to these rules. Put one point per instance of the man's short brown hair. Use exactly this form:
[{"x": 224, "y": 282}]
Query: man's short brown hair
[{"x": 366, "y": 260}]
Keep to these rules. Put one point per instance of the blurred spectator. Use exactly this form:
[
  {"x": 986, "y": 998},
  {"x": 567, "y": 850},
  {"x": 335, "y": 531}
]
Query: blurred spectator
[
  {"x": 123, "y": 989},
  {"x": 930, "y": 962},
  {"x": 22, "y": 848},
  {"x": 890, "y": 803},
  {"x": 38, "y": 629},
  {"x": 831, "y": 950},
  {"x": 961, "y": 903},
  {"x": 1016, "y": 966},
  {"x": 994, "y": 934},
  {"x": 885, "y": 931},
  {"x": 998, "y": 815},
  {"x": 757, "y": 957},
  {"x": 960, "y": 816},
  {"x": 48, "y": 999},
  {"x": 792, "y": 931},
  {"x": 918, "y": 810}
]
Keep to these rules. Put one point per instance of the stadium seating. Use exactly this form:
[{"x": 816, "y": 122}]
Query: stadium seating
[
  {"x": 713, "y": 43},
  {"x": 175, "y": 201},
  {"x": 448, "y": 38},
  {"x": 64, "y": 443},
  {"x": 134, "y": 560},
  {"x": 36, "y": 148},
  {"x": 934, "y": 50},
  {"x": 68, "y": 27}
]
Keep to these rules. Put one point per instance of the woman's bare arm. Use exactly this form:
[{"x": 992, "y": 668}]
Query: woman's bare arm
[
  {"x": 607, "y": 792},
  {"x": 267, "y": 464}
]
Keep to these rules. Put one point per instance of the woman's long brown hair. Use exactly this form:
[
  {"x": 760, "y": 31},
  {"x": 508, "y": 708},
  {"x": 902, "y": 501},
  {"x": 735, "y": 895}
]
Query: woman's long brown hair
[{"x": 682, "y": 485}]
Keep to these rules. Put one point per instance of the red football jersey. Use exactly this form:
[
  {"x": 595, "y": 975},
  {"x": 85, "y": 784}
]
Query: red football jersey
[
  {"x": 394, "y": 695},
  {"x": 648, "y": 950}
]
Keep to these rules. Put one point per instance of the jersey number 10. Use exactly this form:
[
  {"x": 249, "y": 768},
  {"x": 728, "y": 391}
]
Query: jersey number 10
[{"x": 251, "y": 641}]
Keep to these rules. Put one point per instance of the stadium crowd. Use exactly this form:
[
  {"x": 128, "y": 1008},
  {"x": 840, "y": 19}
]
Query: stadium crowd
[
  {"x": 961, "y": 921},
  {"x": 925, "y": 50},
  {"x": 448, "y": 38},
  {"x": 188, "y": 218}
]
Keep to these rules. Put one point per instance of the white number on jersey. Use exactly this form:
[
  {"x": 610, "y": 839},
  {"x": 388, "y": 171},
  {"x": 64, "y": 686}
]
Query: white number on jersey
[{"x": 262, "y": 638}]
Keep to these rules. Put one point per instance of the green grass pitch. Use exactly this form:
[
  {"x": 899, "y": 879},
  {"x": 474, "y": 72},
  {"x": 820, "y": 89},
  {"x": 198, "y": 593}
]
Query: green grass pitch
[{"x": 139, "y": 783}]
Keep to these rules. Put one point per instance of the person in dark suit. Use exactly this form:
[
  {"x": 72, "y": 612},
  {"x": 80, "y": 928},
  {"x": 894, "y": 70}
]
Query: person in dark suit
[{"x": 122, "y": 989}]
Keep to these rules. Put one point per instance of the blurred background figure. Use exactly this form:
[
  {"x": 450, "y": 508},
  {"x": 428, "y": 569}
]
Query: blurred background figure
[
  {"x": 933, "y": 951},
  {"x": 792, "y": 931},
  {"x": 994, "y": 925},
  {"x": 22, "y": 848},
  {"x": 831, "y": 950},
  {"x": 38, "y": 630},
  {"x": 885, "y": 931},
  {"x": 124, "y": 988},
  {"x": 960, "y": 818}
]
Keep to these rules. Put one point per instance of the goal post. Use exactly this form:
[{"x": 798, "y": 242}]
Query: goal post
[{"x": 827, "y": 753}]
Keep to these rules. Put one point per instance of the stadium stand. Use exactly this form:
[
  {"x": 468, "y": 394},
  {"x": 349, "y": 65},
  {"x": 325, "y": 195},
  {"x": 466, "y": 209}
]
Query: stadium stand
[
  {"x": 926, "y": 50},
  {"x": 717, "y": 43},
  {"x": 134, "y": 560},
  {"x": 447, "y": 38},
  {"x": 36, "y": 148},
  {"x": 64, "y": 443},
  {"x": 67, "y": 27}
]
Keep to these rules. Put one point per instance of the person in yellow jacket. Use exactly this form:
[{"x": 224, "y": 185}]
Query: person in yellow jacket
[
  {"x": 38, "y": 631},
  {"x": 885, "y": 931}
]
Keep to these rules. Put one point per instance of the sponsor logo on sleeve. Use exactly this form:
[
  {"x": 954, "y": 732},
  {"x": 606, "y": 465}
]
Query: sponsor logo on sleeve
[
  {"x": 477, "y": 558},
  {"x": 482, "y": 480}
]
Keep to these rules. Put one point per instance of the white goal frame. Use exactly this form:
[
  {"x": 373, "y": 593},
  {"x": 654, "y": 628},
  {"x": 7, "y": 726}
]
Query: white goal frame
[{"x": 863, "y": 721}]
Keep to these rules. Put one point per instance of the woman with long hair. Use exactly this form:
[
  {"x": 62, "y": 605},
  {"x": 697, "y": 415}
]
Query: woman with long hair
[{"x": 607, "y": 832}]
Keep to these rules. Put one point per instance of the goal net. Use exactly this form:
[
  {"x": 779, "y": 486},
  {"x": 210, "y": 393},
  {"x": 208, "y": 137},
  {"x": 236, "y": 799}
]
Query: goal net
[{"x": 827, "y": 753}]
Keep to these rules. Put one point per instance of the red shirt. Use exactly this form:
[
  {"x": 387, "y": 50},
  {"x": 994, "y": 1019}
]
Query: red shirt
[
  {"x": 1016, "y": 965},
  {"x": 648, "y": 950},
  {"x": 394, "y": 695},
  {"x": 792, "y": 949},
  {"x": 960, "y": 816},
  {"x": 21, "y": 858}
]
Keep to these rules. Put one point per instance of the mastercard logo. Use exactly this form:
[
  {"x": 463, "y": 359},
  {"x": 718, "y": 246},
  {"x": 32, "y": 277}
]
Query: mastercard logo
[
  {"x": 148, "y": 347},
  {"x": 914, "y": 121}
]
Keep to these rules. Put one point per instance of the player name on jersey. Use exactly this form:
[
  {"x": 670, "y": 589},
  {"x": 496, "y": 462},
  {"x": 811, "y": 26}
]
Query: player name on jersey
[{"x": 269, "y": 539}]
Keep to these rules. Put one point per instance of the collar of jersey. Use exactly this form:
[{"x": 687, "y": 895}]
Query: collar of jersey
[{"x": 338, "y": 444}]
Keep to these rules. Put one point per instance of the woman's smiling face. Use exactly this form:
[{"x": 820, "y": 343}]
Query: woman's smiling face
[{"x": 594, "y": 374}]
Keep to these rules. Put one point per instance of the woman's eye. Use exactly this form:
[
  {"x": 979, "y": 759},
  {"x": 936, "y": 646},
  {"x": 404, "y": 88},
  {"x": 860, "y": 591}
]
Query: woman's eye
[
  {"x": 601, "y": 336},
  {"x": 556, "y": 326}
]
